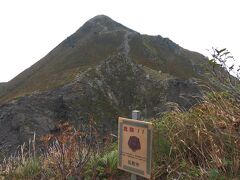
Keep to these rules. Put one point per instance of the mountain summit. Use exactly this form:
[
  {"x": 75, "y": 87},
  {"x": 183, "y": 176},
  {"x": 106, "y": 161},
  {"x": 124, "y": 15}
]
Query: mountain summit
[
  {"x": 102, "y": 23},
  {"x": 97, "y": 39},
  {"x": 103, "y": 70}
]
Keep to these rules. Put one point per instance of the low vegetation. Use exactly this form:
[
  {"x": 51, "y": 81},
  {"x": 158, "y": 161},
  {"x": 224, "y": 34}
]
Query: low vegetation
[
  {"x": 203, "y": 143},
  {"x": 66, "y": 154}
]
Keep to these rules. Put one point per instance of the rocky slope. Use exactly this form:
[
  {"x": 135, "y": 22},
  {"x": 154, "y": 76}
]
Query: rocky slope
[
  {"x": 103, "y": 70},
  {"x": 2, "y": 88},
  {"x": 96, "y": 40}
]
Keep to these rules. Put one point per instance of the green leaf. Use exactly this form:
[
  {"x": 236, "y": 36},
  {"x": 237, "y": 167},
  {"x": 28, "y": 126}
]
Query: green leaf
[{"x": 220, "y": 51}]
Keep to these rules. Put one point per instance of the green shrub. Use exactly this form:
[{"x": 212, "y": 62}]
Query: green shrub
[
  {"x": 29, "y": 170},
  {"x": 214, "y": 174},
  {"x": 107, "y": 165},
  {"x": 103, "y": 165}
]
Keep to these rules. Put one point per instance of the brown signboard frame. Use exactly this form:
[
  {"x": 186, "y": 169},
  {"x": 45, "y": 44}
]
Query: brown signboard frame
[{"x": 146, "y": 144}]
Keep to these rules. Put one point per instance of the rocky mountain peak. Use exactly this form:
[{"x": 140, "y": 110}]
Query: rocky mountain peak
[
  {"x": 102, "y": 23},
  {"x": 105, "y": 70},
  {"x": 100, "y": 18}
]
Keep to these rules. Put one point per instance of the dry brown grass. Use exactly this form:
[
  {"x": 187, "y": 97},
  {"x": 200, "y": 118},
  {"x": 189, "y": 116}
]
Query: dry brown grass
[
  {"x": 66, "y": 154},
  {"x": 202, "y": 143}
]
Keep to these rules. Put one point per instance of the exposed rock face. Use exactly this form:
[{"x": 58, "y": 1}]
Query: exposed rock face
[
  {"x": 94, "y": 42},
  {"x": 113, "y": 88},
  {"x": 2, "y": 88},
  {"x": 104, "y": 70}
]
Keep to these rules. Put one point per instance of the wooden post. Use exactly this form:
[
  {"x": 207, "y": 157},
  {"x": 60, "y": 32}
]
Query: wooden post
[
  {"x": 133, "y": 177},
  {"x": 135, "y": 115}
]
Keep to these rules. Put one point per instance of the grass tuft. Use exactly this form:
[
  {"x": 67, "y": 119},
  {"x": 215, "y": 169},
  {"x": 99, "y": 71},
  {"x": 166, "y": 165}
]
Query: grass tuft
[{"x": 201, "y": 143}]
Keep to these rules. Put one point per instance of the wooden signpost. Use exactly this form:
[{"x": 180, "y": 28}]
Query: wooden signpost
[{"x": 135, "y": 146}]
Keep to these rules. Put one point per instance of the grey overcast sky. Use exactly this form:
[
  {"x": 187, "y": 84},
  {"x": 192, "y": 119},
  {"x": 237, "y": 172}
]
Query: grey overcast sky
[{"x": 31, "y": 28}]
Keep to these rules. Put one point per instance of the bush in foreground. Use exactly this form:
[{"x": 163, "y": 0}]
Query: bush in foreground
[
  {"x": 67, "y": 154},
  {"x": 203, "y": 143}
]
